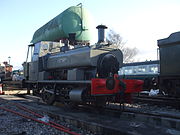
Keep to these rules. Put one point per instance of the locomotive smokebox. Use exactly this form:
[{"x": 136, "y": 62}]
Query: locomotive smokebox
[{"x": 101, "y": 35}]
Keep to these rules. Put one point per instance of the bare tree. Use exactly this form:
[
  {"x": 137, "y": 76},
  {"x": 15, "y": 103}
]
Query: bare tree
[{"x": 128, "y": 53}]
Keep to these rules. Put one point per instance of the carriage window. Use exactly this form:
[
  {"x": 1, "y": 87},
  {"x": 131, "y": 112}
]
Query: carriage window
[
  {"x": 153, "y": 69},
  {"x": 128, "y": 71},
  {"x": 142, "y": 69}
]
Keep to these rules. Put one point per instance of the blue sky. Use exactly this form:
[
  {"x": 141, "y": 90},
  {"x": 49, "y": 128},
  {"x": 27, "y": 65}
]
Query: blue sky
[{"x": 140, "y": 22}]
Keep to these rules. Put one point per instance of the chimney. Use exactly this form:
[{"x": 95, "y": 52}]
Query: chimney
[{"x": 101, "y": 30}]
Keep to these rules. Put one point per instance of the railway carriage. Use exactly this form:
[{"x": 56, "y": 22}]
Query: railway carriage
[
  {"x": 148, "y": 71},
  {"x": 169, "y": 49}
]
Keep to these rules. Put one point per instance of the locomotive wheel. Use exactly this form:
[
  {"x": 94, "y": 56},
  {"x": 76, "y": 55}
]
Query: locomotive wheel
[
  {"x": 100, "y": 102},
  {"x": 73, "y": 105},
  {"x": 47, "y": 97}
]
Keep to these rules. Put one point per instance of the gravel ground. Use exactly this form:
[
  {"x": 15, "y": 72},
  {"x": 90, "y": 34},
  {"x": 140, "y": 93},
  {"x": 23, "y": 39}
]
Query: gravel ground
[
  {"x": 12, "y": 124},
  {"x": 17, "y": 125}
]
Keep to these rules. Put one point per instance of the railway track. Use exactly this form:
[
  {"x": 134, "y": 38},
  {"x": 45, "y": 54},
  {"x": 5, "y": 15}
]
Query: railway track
[
  {"x": 159, "y": 100},
  {"x": 115, "y": 108},
  {"x": 101, "y": 115},
  {"x": 156, "y": 118}
]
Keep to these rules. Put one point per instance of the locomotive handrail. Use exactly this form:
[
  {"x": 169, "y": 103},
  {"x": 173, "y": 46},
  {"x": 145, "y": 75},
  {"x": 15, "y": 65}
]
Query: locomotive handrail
[{"x": 66, "y": 81}]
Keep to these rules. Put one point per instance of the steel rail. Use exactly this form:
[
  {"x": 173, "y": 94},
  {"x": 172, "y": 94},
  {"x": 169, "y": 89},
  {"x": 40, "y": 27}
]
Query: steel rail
[
  {"x": 142, "y": 113},
  {"x": 164, "y": 101},
  {"x": 159, "y": 97},
  {"x": 120, "y": 110}
]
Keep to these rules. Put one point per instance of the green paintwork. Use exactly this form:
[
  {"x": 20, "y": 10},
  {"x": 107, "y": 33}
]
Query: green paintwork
[{"x": 73, "y": 20}]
